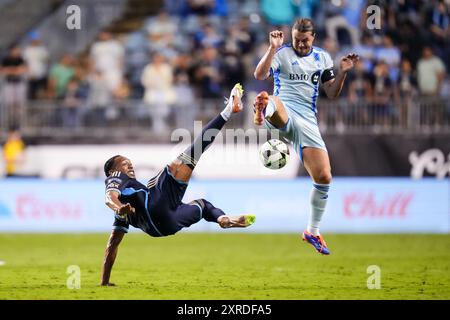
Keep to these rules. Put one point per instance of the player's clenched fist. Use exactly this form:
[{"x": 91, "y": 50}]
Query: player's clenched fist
[
  {"x": 348, "y": 62},
  {"x": 126, "y": 209},
  {"x": 276, "y": 39}
]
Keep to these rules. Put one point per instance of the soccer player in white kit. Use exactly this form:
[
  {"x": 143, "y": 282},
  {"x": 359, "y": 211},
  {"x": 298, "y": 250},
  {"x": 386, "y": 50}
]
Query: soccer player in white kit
[{"x": 297, "y": 68}]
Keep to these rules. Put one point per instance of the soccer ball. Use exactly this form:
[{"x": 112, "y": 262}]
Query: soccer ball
[{"x": 274, "y": 154}]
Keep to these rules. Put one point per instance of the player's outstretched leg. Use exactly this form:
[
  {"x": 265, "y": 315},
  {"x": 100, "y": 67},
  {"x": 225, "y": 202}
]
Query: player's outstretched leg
[
  {"x": 182, "y": 167},
  {"x": 188, "y": 214},
  {"x": 213, "y": 214},
  {"x": 270, "y": 108}
]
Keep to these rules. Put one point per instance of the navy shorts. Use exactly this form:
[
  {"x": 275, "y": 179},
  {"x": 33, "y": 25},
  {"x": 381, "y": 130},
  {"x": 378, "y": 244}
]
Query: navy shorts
[{"x": 167, "y": 211}]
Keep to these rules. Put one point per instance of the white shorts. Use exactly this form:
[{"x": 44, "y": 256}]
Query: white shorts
[{"x": 299, "y": 132}]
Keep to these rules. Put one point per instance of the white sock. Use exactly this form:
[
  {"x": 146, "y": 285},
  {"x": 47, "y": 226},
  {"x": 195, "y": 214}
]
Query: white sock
[
  {"x": 270, "y": 109},
  {"x": 228, "y": 110},
  {"x": 318, "y": 199},
  {"x": 226, "y": 113}
]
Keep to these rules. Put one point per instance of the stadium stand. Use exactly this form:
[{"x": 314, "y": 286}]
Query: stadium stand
[{"x": 158, "y": 65}]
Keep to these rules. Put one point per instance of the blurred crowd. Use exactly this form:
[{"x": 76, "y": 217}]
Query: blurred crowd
[{"x": 198, "y": 49}]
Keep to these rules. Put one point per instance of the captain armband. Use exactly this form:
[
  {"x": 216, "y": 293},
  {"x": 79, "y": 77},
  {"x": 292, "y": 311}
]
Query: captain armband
[{"x": 327, "y": 75}]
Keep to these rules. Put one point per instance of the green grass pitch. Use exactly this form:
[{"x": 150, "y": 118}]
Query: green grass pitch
[{"x": 226, "y": 266}]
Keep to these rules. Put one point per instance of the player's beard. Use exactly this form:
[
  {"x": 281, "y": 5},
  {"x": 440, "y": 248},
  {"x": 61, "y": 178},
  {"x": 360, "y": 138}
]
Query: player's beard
[{"x": 304, "y": 51}]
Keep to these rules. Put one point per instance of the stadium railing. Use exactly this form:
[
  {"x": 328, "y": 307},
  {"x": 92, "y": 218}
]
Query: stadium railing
[
  {"x": 132, "y": 119},
  {"x": 412, "y": 115}
]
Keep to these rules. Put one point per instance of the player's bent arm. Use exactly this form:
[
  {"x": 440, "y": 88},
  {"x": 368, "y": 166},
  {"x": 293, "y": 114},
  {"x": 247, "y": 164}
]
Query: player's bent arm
[
  {"x": 334, "y": 86},
  {"x": 262, "y": 70},
  {"x": 113, "y": 202},
  {"x": 110, "y": 255}
]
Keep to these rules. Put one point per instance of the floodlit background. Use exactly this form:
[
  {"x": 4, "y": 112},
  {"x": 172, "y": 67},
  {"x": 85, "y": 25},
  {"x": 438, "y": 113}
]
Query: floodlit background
[{"x": 81, "y": 81}]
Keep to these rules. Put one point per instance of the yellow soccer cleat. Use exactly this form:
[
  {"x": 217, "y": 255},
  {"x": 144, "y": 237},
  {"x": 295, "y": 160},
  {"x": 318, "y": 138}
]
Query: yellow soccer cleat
[
  {"x": 242, "y": 221},
  {"x": 236, "y": 97}
]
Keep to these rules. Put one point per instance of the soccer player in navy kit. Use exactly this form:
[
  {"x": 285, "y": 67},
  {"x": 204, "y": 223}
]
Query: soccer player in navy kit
[
  {"x": 297, "y": 69},
  {"x": 157, "y": 208}
]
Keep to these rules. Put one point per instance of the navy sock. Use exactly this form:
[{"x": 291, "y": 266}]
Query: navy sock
[
  {"x": 209, "y": 212},
  {"x": 192, "y": 154}
]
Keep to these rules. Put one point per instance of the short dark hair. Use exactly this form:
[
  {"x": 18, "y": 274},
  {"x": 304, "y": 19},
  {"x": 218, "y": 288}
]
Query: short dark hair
[
  {"x": 109, "y": 164},
  {"x": 304, "y": 25}
]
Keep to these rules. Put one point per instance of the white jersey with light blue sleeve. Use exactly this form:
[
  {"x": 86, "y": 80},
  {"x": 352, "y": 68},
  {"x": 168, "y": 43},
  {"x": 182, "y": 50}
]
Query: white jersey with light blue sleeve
[
  {"x": 296, "y": 78},
  {"x": 296, "y": 83}
]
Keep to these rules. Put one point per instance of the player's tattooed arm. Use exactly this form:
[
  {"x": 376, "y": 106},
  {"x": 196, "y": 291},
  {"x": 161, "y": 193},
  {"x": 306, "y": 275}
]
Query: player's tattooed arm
[
  {"x": 262, "y": 70},
  {"x": 113, "y": 202},
  {"x": 334, "y": 86},
  {"x": 110, "y": 256}
]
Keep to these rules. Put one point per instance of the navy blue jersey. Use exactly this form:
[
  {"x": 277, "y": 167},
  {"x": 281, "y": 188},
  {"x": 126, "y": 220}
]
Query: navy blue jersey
[
  {"x": 156, "y": 204},
  {"x": 135, "y": 193}
]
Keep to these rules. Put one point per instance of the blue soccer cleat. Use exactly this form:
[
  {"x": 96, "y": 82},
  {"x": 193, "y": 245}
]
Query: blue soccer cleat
[{"x": 317, "y": 242}]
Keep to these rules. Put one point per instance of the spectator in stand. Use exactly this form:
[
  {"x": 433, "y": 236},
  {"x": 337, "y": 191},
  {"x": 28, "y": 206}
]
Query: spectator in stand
[
  {"x": 59, "y": 77},
  {"x": 430, "y": 73},
  {"x": 332, "y": 47},
  {"x": 440, "y": 29},
  {"x": 36, "y": 56},
  {"x": 338, "y": 16},
  {"x": 406, "y": 81},
  {"x": 407, "y": 11},
  {"x": 123, "y": 91},
  {"x": 237, "y": 41},
  {"x": 72, "y": 104},
  {"x": 185, "y": 99},
  {"x": 161, "y": 30},
  {"x": 182, "y": 65},
  {"x": 208, "y": 74},
  {"x": 366, "y": 51},
  {"x": 14, "y": 94},
  {"x": 352, "y": 11},
  {"x": 360, "y": 85},
  {"x": 107, "y": 56},
  {"x": 157, "y": 80},
  {"x": 99, "y": 98},
  {"x": 405, "y": 92},
  {"x": 246, "y": 36},
  {"x": 391, "y": 55},
  {"x": 430, "y": 78},
  {"x": 412, "y": 38},
  {"x": 185, "y": 96},
  {"x": 13, "y": 153},
  {"x": 360, "y": 93},
  {"x": 136, "y": 58},
  {"x": 208, "y": 36},
  {"x": 383, "y": 90}
]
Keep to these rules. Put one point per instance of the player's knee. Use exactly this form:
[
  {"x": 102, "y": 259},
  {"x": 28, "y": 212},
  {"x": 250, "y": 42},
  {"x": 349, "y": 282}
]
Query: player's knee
[
  {"x": 324, "y": 177},
  {"x": 174, "y": 166},
  {"x": 199, "y": 202},
  {"x": 180, "y": 170}
]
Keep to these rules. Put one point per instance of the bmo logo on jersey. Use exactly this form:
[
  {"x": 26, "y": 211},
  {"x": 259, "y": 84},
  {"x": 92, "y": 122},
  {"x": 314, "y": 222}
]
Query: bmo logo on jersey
[
  {"x": 301, "y": 77},
  {"x": 305, "y": 77}
]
